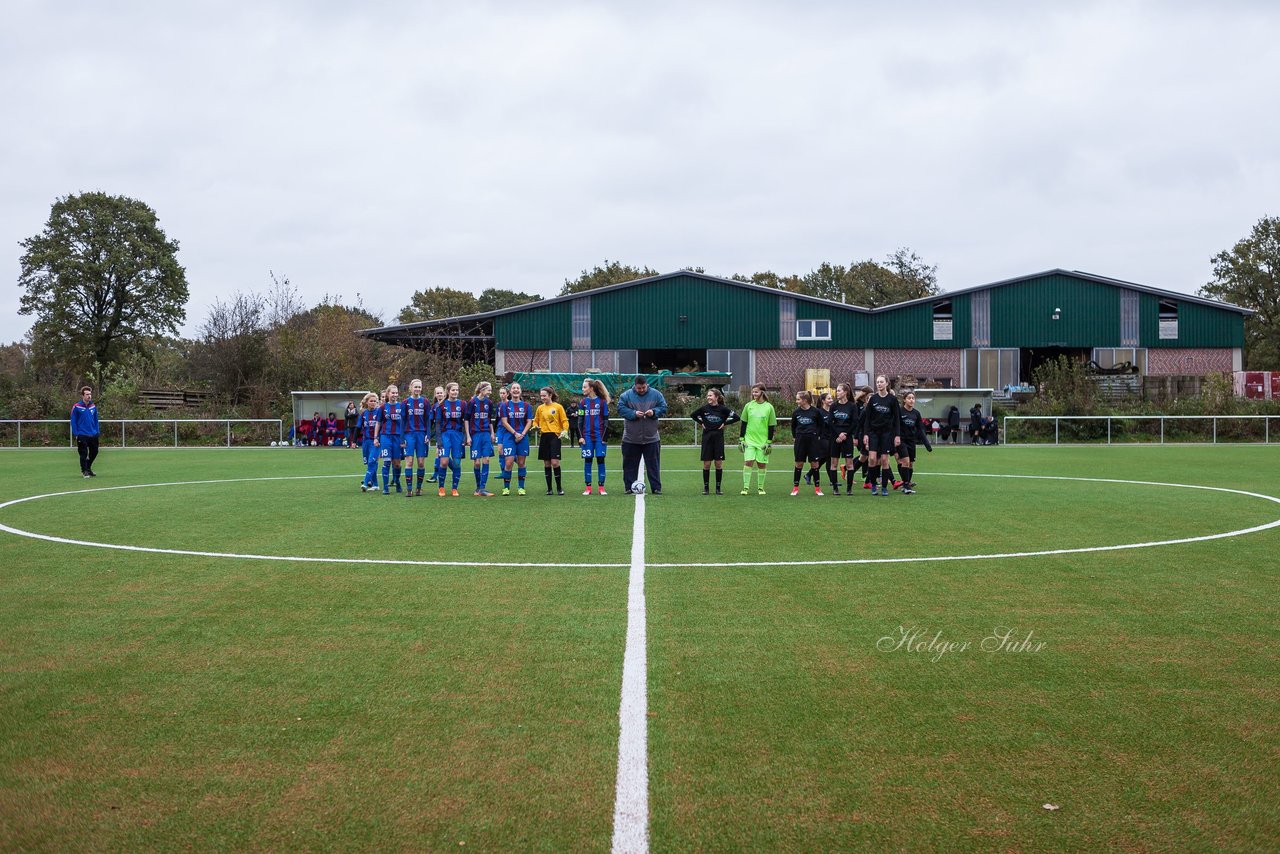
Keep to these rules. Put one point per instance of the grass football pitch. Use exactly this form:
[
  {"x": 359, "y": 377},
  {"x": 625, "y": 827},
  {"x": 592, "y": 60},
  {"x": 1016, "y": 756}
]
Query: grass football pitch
[{"x": 924, "y": 672}]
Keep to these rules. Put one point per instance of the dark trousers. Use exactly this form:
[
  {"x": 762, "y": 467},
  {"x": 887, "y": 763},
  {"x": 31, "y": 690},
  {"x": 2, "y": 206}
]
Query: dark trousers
[
  {"x": 652, "y": 453},
  {"x": 88, "y": 449}
]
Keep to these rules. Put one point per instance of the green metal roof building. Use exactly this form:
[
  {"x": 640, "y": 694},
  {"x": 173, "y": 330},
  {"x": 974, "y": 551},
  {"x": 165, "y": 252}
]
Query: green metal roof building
[{"x": 988, "y": 336}]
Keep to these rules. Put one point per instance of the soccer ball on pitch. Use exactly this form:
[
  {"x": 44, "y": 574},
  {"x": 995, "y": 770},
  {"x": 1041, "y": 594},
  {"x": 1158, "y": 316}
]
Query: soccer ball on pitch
[
  {"x": 638, "y": 487},
  {"x": 273, "y": 444}
]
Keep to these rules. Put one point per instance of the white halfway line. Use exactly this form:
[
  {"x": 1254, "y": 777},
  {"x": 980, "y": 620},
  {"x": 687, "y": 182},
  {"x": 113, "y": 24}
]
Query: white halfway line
[{"x": 631, "y": 795}]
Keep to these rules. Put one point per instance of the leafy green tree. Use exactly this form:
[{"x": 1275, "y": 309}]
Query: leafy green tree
[
  {"x": 770, "y": 279},
  {"x": 101, "y": 279},
  {"x": 903, "y": 276},
  {"x": 492, "y": 299},
  {"x": 1248, "y": 275},
  {"x": 612, "y": 273},
  {"x": 435, "y": 303}
]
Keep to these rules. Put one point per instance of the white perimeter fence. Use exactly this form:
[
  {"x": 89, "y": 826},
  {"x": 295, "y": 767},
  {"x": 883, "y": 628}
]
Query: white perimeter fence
[
  {"x": 1139, "y": 429},
  {"x": 1017, "y": 430},
  {"x": 231, "y": 432},
  {"x": 146, "y": 432}
]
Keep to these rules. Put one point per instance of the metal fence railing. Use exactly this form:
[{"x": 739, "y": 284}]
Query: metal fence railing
[
  {"x": 146, "y": 432},
  {"x": 231, "y": 432},
  {"x": 1138, "y": 429}
]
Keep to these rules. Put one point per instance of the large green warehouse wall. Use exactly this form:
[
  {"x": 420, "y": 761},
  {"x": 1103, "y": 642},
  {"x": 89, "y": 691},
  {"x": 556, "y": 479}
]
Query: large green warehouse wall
[
  {"x": 546, "y": 327},
  {"x": 718, "y": 316}
]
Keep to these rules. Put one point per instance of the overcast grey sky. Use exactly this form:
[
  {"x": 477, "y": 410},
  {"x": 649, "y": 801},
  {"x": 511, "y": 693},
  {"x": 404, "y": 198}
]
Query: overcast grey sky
[{"x": 376, "y": 148}]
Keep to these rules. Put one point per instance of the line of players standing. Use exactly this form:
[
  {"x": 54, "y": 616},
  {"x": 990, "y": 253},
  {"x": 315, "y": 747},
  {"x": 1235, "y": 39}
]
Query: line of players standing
[
  {"x": 399, "y": 433},
  {"x": 854, "y": 431},
  {"x": 863, "y": 431}
]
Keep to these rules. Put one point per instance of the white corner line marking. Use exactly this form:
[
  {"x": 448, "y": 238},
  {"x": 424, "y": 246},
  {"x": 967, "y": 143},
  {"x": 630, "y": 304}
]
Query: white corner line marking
[{"x": 631, "y": 795}]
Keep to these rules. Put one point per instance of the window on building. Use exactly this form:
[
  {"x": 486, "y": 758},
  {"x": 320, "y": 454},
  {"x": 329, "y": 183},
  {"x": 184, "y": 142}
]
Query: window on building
[
  {"x": 994, "y": 369},
  {"x": 736, "y": 362},
  {"x": 1109, "y": 357},
  {"x": 1168, "y": 319},
  {"x": 813, "y": 330},
  {"x": 942, "y": 320},
  {"x": 581, "y": 323}
]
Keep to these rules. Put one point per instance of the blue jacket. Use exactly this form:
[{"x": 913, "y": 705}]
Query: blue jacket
[
  {"x": 84, "y": 419},
  {"x": 641, "y": 431}
]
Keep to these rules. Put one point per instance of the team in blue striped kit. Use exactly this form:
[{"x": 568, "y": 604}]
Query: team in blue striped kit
[
  {"x": 417, "y": 417},
  {"x": 479, "y": 430},
  {"x": 515, "y": 417},
  {"x": 593, "y": 422}
]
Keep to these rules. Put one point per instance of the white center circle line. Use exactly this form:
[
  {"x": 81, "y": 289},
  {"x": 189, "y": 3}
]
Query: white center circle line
[{"x": 694, "y": 565}]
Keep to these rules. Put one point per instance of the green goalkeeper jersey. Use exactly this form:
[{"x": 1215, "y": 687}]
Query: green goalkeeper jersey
[{"x": 759, "y": 417}]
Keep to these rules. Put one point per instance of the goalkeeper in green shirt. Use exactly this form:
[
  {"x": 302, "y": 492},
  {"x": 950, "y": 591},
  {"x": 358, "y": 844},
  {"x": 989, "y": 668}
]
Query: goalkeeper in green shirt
[{"x": 759, "y": 422}]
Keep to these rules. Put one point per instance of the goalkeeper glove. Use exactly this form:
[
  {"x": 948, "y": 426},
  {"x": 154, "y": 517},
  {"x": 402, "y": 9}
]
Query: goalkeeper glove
[
  {"x": 742, "y": 446},
  {"x": 767, "y": 448}
]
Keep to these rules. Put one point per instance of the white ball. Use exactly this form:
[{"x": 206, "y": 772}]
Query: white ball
[
  {"x": 273, "y": 444},
  {"x": 638, "y": 487}
]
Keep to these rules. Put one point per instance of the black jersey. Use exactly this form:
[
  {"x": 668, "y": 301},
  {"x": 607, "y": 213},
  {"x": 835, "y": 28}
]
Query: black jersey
[
  {"x": 912, "y": 427},
  {"x": 827, "y": 424},
  {"x": 881, "y": 415},
  {"x": 714, "y": 417},
  {"x": 806, "y": 422},
  {"x": 844, "y": 417}
]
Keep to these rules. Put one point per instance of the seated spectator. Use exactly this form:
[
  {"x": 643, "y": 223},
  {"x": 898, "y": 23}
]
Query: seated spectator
[
  {"x": 304, "y": 432},
  {"x": 317, "y": 429},
  {"x": 989, "y": 432},
  {"x": 331, "y": 430}
]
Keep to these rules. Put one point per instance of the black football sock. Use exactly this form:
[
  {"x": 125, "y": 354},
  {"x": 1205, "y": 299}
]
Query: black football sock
[
  {"x": 795, "y": 481},
  {"x": 547, "y": 472},
  {"x": 902, "y": 473},
  {"x": 831, "y": 474},
  {"x": 706, "y": 479},
  {"x": 886, "y": 479},
  {"x": 719, "y": 478},
  {"x": 911, "y": 471},
  {"x": 557, "y": 472}
]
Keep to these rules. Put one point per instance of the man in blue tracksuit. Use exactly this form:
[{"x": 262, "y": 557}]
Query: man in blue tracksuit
[
  {"x": 640, "y": 407},
  {"x": 84, "y": 429}
]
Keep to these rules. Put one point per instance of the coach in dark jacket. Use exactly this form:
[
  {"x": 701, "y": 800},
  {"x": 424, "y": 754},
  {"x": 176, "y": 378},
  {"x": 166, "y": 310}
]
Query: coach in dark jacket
[
  {"x": 641, "y": 407},
  {"x": 953, "y": 424}
]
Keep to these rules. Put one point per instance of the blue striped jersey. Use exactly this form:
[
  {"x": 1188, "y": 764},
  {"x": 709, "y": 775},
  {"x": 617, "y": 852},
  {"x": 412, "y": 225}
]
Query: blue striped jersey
[
  {"x": 450, "y": 414},
  {"x": 365, "y": 424},
  {"x": 517, "y": 412},
  {"x": 480, "y": 414},
  {"x": 417, "y": 413},
  {"x": 594, "y": 419},
  {"x": 391, "y": 417}
]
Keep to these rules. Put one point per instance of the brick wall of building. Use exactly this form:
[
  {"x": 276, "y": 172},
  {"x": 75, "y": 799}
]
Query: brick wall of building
[
  {"x": 785, "y": 368},
  {"x": 1189, "y": 361},
  {"x": 919, "y": 363}
]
